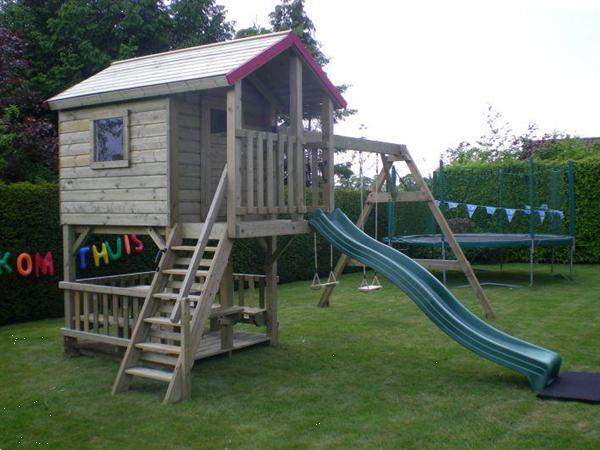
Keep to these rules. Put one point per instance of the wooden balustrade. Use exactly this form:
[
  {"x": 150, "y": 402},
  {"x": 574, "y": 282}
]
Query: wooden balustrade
[
  {"x": 272, "y": 181},
  {"x": 105, "y": 309}
]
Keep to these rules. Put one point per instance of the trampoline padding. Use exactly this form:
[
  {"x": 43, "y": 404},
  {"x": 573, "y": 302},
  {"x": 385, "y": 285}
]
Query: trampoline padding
[
  {"x": 486, "y": 240},
  {"x": 574, "y": 386}
]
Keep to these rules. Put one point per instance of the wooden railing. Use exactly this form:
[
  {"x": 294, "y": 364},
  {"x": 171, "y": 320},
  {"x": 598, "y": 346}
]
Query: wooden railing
[
  {"x": 105, "y": 309},
  {"x": 276, "y": 172}
]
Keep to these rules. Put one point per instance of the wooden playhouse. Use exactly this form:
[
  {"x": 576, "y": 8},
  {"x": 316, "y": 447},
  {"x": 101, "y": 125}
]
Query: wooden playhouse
[{"x": 184, "y": 147}]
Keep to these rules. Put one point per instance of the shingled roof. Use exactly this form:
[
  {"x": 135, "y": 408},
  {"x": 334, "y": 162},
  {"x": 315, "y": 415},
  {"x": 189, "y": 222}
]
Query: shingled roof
[{"x": 189, "y": 69}]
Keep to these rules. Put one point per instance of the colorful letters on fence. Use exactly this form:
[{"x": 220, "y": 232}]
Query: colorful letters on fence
[
  {"x": 104, "y": 252},
  {"x": 38, "y": 265},
  {"x": 26, "y": 265}
]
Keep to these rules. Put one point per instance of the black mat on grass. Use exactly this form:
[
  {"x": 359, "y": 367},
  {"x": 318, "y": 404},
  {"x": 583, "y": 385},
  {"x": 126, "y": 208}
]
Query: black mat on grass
[{"x": 574, "y": 386}]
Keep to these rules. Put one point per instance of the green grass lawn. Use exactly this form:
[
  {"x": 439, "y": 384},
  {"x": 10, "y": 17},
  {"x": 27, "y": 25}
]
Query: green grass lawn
[{"x": 371, "y": 371}]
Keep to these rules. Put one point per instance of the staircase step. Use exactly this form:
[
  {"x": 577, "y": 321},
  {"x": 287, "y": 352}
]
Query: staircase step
[
  {"x": 253, "y": 311},
  {"x": 159, "y": 348},
  {"x": 182, "y": 272},
  {"x": 159, "y": 358},
  {"x": 174, "y": 296},
  {"x": 191, "y": 248},
  {"x": 176, "y": 284},
  {"x": 154, "y": 374},
  {"x": 187, "y": 261},
  {"x": 161, "y": 321},
  {"x": 218, "y": 310},
  {"x": 162, "y": 334}
]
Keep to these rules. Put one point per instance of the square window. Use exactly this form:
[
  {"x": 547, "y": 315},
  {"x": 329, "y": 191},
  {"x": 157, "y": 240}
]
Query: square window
[{"x": 109, "y": 142}]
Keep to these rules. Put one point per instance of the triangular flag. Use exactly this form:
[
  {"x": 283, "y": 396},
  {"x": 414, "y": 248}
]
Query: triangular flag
[
  {"x": 560, "y": 214},
  {"x": 510, "y": 213},
  {"x": 542, "y": 215},
  {"x": 437, "y": 203},
  {"x": 526, "y": 211},
  {"x": 471, "y": 209},
  {"x": 490, "y": 210},
  {"x": 452, "y": 205},
  {"x": 544, "y": 206}
]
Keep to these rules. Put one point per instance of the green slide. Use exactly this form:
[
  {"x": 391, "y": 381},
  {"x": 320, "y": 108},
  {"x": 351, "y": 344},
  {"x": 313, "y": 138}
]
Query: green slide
[{"x": 539, "y": 365}]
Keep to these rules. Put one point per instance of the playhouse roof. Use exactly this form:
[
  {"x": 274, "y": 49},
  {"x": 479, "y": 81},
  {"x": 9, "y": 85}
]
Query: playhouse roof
[{"x": 189, "y": 69}]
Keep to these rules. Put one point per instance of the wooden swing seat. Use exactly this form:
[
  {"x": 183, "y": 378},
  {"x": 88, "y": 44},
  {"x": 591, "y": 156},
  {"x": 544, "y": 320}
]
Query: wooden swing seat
[{"x": 370, "y": 287}]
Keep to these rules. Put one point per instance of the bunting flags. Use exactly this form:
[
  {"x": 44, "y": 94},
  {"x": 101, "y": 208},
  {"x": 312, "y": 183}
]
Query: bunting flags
[
  {"x": 541, "y": 215},
  {"x": 510, "y": 213},
  {"x": 471, "y": 209},
  {"x": 541, "y": 211},
  {"x": 437, "y": 203}
]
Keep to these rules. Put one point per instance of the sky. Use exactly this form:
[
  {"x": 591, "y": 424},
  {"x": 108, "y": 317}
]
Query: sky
[{"x": 422, "y": 73}]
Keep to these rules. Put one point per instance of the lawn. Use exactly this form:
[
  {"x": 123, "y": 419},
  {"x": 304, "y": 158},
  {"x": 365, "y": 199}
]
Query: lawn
[{"x": 369, "y": 372}]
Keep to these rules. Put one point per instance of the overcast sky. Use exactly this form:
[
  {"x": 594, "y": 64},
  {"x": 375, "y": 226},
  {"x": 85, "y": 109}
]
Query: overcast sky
[{"x": 423, "y": 73}]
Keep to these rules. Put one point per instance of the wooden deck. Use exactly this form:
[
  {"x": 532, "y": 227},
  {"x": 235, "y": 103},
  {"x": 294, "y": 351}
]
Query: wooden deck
[{"x": 210, "y": 345}]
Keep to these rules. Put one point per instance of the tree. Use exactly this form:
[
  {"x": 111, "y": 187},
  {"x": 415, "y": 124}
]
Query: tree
[
  {"x": 290, "y": 15},
  {"x": 198, "y": 22},
  {"x": 70, "y": 40},
  {"x": 27, "y": 143},
  {"x": 499, "y": 142}
]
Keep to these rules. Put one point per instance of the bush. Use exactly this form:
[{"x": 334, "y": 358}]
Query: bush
[{"x": 30, "y": 214}]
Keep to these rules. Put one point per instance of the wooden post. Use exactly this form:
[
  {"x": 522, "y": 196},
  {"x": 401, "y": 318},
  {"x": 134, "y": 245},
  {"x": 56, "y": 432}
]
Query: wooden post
[
  {"x": 69, "y": 274},
  {"x": 205, "y": 167},
  {"x": 296, "y": 129},
  {"x": 328, "y": 153},
  {"x": 271, "y": 290},
  {"x": 186, "y": 348},
  {"x": 234, "y": 120},
  {"x": 226, "y": 300}
]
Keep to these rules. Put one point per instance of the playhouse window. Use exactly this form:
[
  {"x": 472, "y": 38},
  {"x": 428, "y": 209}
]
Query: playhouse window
[
  {"x": 110, "y": 146},
  {"x": 218, "y": 121}
]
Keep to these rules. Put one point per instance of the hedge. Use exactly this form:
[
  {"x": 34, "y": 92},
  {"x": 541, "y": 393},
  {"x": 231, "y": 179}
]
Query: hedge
[{"x": 30, "y": 223}]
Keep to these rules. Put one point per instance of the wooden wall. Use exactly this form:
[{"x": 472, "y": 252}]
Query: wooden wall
[
  {"x": 188, "y": 138},
  {"x": 138, "y": 195},
  {"x": 134, "y": 195}
]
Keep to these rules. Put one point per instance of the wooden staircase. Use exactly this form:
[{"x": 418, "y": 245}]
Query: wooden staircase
[{"x": 178, "y": 305}]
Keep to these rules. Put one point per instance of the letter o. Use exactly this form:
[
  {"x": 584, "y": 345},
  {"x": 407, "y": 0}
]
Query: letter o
[{"x": 24, "y": 271}]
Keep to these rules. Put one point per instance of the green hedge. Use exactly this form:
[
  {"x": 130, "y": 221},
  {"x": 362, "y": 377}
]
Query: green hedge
[{"x": 30, "y": 223}]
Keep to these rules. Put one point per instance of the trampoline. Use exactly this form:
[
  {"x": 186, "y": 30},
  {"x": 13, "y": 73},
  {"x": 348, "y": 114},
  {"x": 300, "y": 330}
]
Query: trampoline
[
  {"x": 486, "y": 240},
  {"x": 525, "y": 207}
]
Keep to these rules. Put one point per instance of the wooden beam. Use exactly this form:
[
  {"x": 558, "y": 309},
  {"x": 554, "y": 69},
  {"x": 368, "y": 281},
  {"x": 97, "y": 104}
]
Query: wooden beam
[
  {"x": 158, "y": 240},
  {"x": 80, "y": 239},
  {"x": 234, "y": 121},
  {"x": 440, "y": 264},
  {"x": 95, "y": 337},
  {"x": 328, "y": 145},
  {"x": 403, "y": 196},
  {"x": 449, "y": 236},
  {"x": 272, "y": 258},
  {"x": 69, "y": 271},
  {"x": 271, "y": 290},
  {"x": 297, "y": 129},
  {"x": 314, "y": 139},
  {"x": 265, "y": 228}
]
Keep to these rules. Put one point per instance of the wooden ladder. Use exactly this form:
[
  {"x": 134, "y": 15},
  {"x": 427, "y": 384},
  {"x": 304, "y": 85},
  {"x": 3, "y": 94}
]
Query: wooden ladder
[{"x": 179, "y": 302}]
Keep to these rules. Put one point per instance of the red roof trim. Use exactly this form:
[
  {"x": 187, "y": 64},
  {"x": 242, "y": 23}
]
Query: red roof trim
[{"x": 291, "y": 40}]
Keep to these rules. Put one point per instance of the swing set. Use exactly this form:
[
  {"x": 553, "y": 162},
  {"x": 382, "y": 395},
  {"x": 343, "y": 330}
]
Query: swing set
[{"x": 365, "y": 285}]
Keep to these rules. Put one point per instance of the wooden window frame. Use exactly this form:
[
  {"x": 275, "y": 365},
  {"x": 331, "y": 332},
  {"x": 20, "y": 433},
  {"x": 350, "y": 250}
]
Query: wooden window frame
[{"x": 124, "y": 115}]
